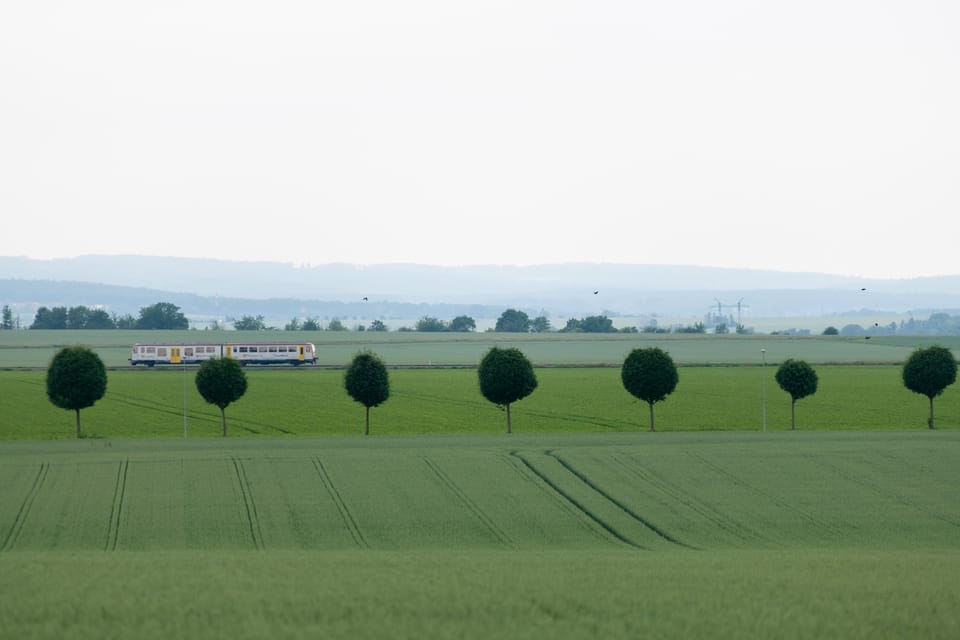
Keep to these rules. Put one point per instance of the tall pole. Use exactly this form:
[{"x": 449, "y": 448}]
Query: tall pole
[
  {"x": 763, "y": 387},
  {"x": 184, "y": 399}
]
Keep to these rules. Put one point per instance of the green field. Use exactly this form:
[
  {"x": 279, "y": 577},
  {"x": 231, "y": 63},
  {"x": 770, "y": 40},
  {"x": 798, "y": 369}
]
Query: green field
[
  {"x": 335, "y": 348},
  {"x": 842, "y": 534},
  {"x": 150, "y": 403},
  {"x": 580, "y": 524}
]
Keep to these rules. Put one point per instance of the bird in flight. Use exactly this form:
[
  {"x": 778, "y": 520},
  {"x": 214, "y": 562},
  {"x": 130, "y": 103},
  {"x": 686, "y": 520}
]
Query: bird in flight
[{"x": 595, "y": 292}]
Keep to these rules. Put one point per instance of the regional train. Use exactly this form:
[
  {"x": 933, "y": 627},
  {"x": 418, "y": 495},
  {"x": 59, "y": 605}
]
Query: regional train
[{"x": 295, "y": 353}]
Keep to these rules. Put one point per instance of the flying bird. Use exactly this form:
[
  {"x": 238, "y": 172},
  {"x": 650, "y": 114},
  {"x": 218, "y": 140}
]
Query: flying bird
[
  {"x": 595, "y": 292},
  {"x": 364, "y": 297}
]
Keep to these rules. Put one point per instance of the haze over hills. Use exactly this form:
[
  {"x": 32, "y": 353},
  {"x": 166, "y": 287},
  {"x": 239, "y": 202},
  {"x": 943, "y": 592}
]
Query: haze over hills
[{"x": 123, "y": 284}]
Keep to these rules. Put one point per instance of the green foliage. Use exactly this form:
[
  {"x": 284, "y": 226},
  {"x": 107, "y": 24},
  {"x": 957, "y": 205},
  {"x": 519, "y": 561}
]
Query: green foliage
[
  {"x": 367, "y": 382},
  {"x": 506, "y": 376},
  {"x": 76, "y": 379},
  {"x": 162, "y": 315},
  {"x": 462, "y": 324},
  {"x": 55, "y": 318},
  {"x": 831, "y": 331},
  {"x": 590, "y": 324},
  {"x": 798, "y": 379},
  {"x": 513, "y": 321},
  {"x": 650, "y": 375},
  {"x": 336, "y": 325},
  {"x": 7, "y": 322},
  {"x": 929, "y": 371},
  {"x": 540, "y": 324},
  {"x": 429, "y": 323},
  {"x": 377, "y": 325},
  {"x": 221, "y": 381},
  {"x": 250, "y": 323}
]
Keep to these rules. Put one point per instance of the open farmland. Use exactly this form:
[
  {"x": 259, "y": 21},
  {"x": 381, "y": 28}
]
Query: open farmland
[{"x": 848, "y": 535}]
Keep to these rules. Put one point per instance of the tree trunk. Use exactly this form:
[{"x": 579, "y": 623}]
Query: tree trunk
[
  {"x": 651, "y": 416},
  {"x": 793, "y": 414},
  {"x": 509, "y": 426},
  {"x": 78, "y": 423},
  {"x": 930, "y": 421},
  {"x": 366, "y": 430},
  {"x": 223, "y": 419}
]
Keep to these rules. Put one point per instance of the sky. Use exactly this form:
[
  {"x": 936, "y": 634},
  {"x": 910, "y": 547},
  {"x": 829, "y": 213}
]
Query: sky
[{"x": 800, "y": 136}]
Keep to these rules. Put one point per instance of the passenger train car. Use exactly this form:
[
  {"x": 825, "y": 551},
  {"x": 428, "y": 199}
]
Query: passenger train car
[{"x": 294, "y": 353}]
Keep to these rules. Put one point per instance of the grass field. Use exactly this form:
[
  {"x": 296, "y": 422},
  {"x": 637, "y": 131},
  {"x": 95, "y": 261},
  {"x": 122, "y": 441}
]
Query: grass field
[
  {"x": 821, "y": 534},
  {"x": 580, "y": 524},
  {"x": 150, "y": 403},
  {"x": 36, "y": 348}
]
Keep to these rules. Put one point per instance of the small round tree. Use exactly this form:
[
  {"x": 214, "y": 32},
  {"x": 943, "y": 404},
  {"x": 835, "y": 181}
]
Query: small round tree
[
  {"x": 76, "y": 379},
  {"x": 797, "y": 378},
  {"x": 221, "y": 381},
  {"x": 650, "y": 375},
  {"x": 928, "y": 372},
  {"x": 367, "y": 382},
  {"x": 506, "y": 376}
]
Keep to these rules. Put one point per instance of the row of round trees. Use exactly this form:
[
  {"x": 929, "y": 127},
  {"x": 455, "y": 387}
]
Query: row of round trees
[{"x": 77, "y": 378}]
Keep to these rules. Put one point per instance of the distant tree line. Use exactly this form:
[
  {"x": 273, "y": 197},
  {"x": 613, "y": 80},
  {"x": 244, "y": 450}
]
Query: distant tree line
[{"x": 166, "y": 315}]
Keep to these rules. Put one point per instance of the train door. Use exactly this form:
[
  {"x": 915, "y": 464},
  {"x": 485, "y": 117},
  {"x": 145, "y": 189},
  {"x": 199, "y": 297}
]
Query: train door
[
  {"x": 229, "y": 353},
  {"x": 174, "y": 355},
  {"x": 300, "y": 348}
]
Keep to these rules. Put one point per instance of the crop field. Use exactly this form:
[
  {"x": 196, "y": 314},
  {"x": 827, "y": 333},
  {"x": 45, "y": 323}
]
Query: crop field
[
  {"x": 336, "y": 348},
  {"x": 819, "y": 534},
  {"x": 152, "y": 403},
  {"x": 580, "y": 524}
]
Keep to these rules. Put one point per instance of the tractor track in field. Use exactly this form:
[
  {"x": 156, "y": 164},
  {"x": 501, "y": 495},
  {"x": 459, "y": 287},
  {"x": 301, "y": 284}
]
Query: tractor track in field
[
  {"x": 610, "y": 498},
  {"x": 582, "y": 508},
  {"x": 740, "y": 482},
  {"x": 348, "y": 520},
  {"x": 25, "y": 507},
  {"x": 472, "y": 506},
  {"x": 253, "y": 519},
  {"x": 658, "y": 482},
  {"x": 855, "y": 479},
  {"x": 116, "y": 507}
]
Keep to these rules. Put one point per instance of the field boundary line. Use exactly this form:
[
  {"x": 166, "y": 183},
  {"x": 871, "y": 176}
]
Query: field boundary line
[
  {"x": 576, "y": 503},
  {"x": 339, "y": 502},
  {"x": 25, "y": 507},
  {"x": 116, "y": 507},
  {"x": 253, "y": 519},
  {"x": 475, "y": 509},
  {"x": 627, "y": 510}
]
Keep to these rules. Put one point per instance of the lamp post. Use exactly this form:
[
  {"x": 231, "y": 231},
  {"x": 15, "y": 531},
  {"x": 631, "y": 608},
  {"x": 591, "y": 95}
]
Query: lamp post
[{"x": 763, "y": 387}]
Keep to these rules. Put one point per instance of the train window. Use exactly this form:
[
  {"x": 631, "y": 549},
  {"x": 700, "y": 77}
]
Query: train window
[
  {"x": 242, "y": 349},
  {"x": 188, "y": 351},
  {"x": 151, "y": 349},
  {"x": 273, "y": 349},
  {"x": 162, "y": 352}
]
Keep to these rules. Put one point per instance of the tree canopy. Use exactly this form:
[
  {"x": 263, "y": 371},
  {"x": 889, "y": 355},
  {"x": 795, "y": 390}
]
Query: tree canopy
[
  {"x": 506, "y": 376},
  {"x": 76, "y": 379},
  {"x": 650, "y": 375},
  {"x": 162, "y": 315},
  {"x": 366, "y": 381},
  {"x": 798, "y": 379},
  {"x": 220, "y": 382},
  {"x": 513, "y": 321},
  {"x": 929, "y": 371}
]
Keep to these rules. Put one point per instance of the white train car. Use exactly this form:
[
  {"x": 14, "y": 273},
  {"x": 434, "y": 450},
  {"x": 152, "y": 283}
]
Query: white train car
[{"x": 294, "y": 353}]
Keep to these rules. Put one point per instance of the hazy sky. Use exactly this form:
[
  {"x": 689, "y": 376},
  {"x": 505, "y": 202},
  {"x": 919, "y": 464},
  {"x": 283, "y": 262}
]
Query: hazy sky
[{"x": 803, "y": 136}]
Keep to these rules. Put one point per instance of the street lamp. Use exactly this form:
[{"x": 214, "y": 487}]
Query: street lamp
[{"x": 763, "y": 387}]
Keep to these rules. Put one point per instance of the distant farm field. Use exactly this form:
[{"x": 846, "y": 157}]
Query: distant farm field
[
  {"x": 336, "y": 348},
  {"x": 725, "y": 535}
]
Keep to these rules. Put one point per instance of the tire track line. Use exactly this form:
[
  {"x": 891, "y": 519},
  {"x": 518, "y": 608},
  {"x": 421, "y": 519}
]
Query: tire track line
[
  {"x": 116, "y": 508},
  {"x": 25, "y": 507},
  {"x": 474, "y": 508},
  {"x": 579, "y": 505},
  {"x": 769, "y": 496},
  {"x": 341, "y": 505},
  {"x": 703, "y": 509},
  {"x": 253, "y": 519},
  {"x": 607, "y": 496}
]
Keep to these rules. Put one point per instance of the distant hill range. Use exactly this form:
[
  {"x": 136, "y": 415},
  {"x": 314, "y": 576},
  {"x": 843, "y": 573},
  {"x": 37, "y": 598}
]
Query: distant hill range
[{"x": 220, "y": 289}]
